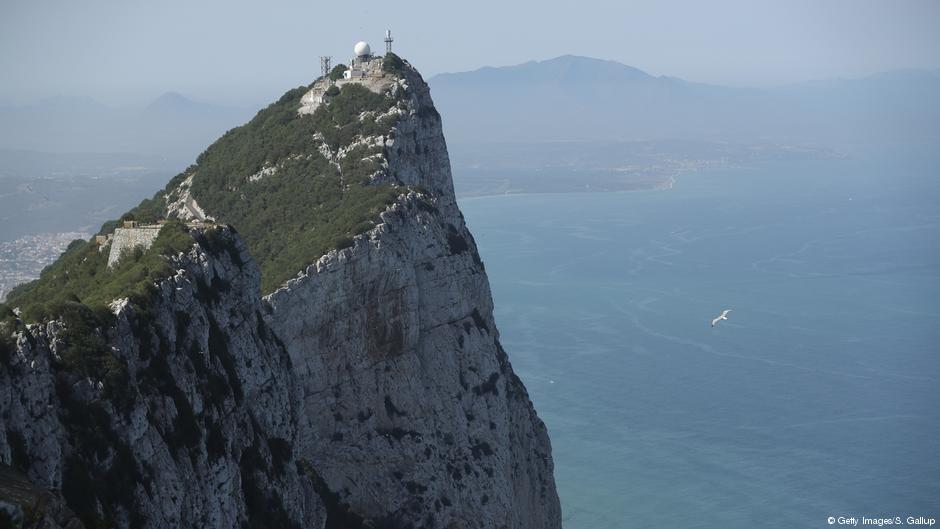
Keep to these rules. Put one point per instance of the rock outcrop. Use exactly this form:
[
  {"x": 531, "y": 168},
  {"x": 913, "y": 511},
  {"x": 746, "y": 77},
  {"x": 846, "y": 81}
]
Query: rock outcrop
[
  {"x": 369, "y": 391},
  {"x": 198, "y": 427},
  {"x": 412, "y": 409}
]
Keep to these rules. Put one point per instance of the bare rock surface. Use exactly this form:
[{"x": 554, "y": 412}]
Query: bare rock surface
[{"x": 369, "y": 391}]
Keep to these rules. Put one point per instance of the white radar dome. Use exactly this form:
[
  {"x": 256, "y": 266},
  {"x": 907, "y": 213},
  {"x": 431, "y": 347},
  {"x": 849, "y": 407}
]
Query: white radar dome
[{"x": 362, "y": 49}]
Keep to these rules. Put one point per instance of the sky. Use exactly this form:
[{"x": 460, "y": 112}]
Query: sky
[{"x": 240, "y": 52}]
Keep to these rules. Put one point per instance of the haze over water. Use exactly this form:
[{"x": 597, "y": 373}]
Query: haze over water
[{"x": 817, "y": 398}]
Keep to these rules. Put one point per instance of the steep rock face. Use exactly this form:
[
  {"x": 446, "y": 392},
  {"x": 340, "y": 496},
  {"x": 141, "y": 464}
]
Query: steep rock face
[
  {"x": 411, "y": 408},
  {"x": 369, "y": 391},
  {"x": 197, "y": 433}
]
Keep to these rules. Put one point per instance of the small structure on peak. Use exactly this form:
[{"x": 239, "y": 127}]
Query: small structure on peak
[
  {"x": 364, "y": 69},
  {"x": 359, "y": 65},
  {"x": 362, "y": 49}
]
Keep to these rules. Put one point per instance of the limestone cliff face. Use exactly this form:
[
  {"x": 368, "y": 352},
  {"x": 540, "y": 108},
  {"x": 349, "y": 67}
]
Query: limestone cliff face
[
  {"x": 198, "y": 432},
  {"x": 370, "y": 391},
  {"x": 412, "y": 409}
]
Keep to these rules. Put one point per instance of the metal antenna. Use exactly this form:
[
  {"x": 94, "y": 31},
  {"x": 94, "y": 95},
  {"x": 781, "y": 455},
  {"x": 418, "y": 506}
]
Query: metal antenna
[
  {"x": 388, "y": 41},
  {"x": 325, "y": 64}
]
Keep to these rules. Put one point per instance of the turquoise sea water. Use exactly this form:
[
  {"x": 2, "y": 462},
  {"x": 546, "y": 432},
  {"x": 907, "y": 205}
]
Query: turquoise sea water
[{"x": 819, "y": 397}]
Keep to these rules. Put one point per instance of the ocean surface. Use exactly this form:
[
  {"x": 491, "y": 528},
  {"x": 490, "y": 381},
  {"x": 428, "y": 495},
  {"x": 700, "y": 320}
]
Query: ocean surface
[{"x": 819, "y": 397}]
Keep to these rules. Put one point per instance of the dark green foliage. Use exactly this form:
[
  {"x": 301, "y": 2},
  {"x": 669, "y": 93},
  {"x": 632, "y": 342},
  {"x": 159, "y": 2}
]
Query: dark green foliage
[
  {"x": 82, "y": 276},
  {"x": 333, "y": 90},
  {"x": 343, "y": 242},
  {"x": 392, "y": 63},
  {"x": 149, "y": 210},
  {"x": 74, "y": 245},
  {"x": 306, "y": 208},
  {"x": 215, "y": 243},
  {"x": 288, "y": 219},
  {"x": 85, "y": 350},
  {"x": 337, "y": 72}
]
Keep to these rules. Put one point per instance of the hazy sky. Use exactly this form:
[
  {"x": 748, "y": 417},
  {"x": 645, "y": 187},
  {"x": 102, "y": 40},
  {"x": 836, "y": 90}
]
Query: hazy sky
[{"x": 247, "y": 52}]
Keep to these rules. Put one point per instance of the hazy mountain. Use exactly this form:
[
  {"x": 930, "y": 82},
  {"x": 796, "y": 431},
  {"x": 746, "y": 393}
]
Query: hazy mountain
[
  {"x": 580, "y": 98},
  {"x": 171, "y": 125},
  {"x": 27, "y": 164},
  {"x": 176, "y": 104}
]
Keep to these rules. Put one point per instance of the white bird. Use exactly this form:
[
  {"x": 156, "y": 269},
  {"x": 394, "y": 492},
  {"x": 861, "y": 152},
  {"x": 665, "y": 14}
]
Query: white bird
[{"x": 724, "y": 316}]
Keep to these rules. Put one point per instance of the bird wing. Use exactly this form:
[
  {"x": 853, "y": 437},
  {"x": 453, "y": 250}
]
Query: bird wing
[
  {"x": 716, "y": 320},
  {"x": 724, "y": 313}
]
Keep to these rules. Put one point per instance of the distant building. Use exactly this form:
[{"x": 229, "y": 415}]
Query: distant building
[
  {"x": 132, "y": 235},
  {"x": 358, "y": 66},
  {"x": 364, "y": 69}
]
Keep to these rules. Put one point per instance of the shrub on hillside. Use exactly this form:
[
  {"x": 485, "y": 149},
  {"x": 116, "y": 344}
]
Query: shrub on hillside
[
  {"x": 392, "y": 63},
  {"x": 337, "y": 72}
]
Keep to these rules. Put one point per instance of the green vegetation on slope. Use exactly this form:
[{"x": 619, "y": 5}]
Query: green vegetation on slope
[
  {"x": 81, "y": 275},
  {"x": 302, "y": 207},
  {"x": 337, "y": 72},
  {"x": 76, "y": 290},
  {"x": 288, "y": 217},
  {"x": 392, "y": 63}
]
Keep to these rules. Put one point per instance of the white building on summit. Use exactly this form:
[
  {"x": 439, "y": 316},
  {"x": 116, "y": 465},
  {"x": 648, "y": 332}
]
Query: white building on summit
[
  {"x": 364, "y": 69},
  {"x": 358, "y": 66}
]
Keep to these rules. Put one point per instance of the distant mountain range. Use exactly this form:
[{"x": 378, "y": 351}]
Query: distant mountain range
[
  {"x": 171, "y": 125},
  {"x": 580, "y": 98},
  {"x": 567, "y": 98}
]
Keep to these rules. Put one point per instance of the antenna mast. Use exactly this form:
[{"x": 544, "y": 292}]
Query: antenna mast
[
  {"x": 325, "y": 64},
  {"x": 388, "y": 41}
]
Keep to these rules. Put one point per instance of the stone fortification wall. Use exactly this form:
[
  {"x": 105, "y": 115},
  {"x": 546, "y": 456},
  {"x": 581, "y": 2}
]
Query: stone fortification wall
[{"x": 129, "y": 238}]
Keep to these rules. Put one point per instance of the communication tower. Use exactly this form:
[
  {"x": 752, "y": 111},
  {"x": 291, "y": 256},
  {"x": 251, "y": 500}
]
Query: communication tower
[
  {"x": 325, "y": 64},
  {"x": 388, "y": 41}
]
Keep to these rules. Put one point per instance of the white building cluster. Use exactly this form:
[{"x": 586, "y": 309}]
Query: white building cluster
[
  {"x": 359, "y": 65},
  {"x": 364, "y": 69}
]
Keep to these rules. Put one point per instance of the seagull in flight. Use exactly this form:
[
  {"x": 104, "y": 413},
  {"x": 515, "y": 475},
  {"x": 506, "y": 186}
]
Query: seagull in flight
[{"x": 724, "y": 316}]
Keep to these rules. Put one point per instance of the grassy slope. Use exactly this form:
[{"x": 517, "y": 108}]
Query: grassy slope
[
  {"x": 287, "y": 219},
  {"x": 307, "y": 207}
]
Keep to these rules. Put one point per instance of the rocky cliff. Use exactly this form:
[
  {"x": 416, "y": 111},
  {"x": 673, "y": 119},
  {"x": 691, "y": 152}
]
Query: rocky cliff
[{"x": 369, "y": 390}]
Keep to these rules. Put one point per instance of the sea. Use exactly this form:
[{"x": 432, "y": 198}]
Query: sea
[{"x": 818, "y": 398}]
